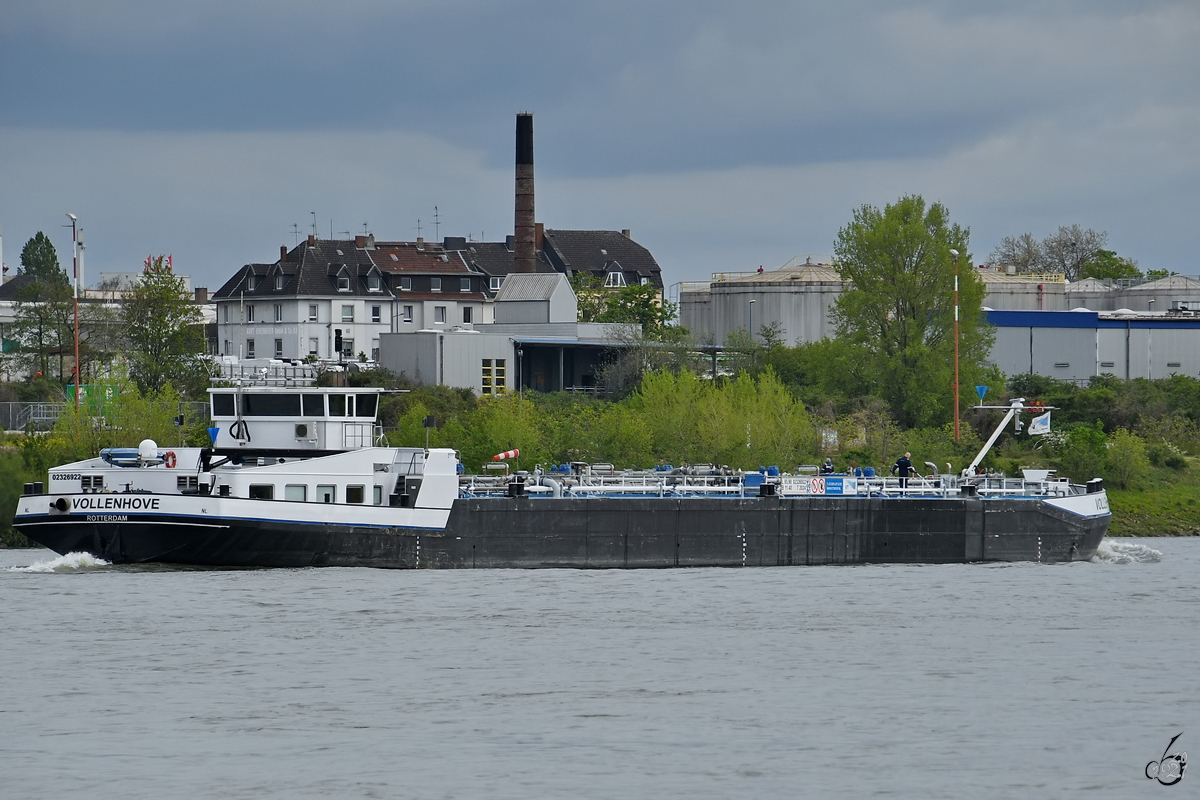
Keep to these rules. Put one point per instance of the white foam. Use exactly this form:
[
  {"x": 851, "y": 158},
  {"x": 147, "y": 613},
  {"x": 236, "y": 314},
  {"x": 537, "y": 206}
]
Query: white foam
[
  {"x": 1111, "y": 551},
  {"x": 68, "y": 563}
]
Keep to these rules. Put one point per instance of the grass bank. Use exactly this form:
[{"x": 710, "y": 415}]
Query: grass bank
[{"x": 1167, "y": 503}]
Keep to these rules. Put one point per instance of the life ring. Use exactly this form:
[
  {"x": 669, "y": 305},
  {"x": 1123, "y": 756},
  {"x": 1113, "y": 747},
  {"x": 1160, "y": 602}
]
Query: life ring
[{"x": 169, "y": 459}]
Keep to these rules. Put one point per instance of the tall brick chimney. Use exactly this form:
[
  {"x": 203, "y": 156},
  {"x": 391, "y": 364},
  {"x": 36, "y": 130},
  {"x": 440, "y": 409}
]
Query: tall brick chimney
[{"x": 524, "y": 247}]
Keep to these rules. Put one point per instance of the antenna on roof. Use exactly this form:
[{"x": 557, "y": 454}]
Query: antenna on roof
[
  {"x": 314, "y": 215},
  {"x": 364, "y": 228},
  {"x": 296, "y": 231},
  {"x": 436, "y": 226},
  {"x": 418, "y": 227}
]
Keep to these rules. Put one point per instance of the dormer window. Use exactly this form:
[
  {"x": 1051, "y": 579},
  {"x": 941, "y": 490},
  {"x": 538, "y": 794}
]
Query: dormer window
[
  {"x": 373, "y": 282},
  {"x": 494, "y": 283},
  {"x": 343, "y": 282},
  {"x": 464, "y": 284},
  {"x": 252, "y": 282},
  {"x": 278, "y": 281},
  {"x": 435, "y": 284},
  {"x": 614, "y": 280},
  {"x": 645, "y": 281},
  {"x": 406, "y": 284}
]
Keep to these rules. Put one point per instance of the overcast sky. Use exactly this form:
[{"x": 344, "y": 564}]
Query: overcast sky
[{"x": 724, "y": 134}]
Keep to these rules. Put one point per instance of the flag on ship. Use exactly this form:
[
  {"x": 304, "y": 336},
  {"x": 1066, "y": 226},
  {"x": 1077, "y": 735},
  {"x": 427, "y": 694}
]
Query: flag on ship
[{"x": 1040, "y": 425}]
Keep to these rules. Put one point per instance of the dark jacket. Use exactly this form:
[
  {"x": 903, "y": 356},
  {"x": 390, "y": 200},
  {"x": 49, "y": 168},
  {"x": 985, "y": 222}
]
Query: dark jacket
[{"x": 903, "y": 466}]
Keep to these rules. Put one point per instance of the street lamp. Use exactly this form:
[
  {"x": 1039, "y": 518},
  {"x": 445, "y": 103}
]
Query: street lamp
[
  {"x": 75, "y": 292},
  {"x": 954, "y": 254}
]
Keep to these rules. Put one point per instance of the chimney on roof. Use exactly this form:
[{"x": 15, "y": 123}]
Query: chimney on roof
[
  {"x": 360, "y": 241},
  {"x": 202, "y": 295},
  {"x": 525, "y": 239},
  {"x": 625, "y": 233},
  {"x": 421, "y": 243},
  {"x": 312, "y": 238},
  {"x": 370, "y": 241},
  {"x": 282, "y": 253}
]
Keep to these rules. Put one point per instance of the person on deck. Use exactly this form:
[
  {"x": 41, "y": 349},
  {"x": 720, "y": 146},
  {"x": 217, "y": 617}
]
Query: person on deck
[
  {"x": 827, "y": 468},
  {"x": 904, "y": 467}
]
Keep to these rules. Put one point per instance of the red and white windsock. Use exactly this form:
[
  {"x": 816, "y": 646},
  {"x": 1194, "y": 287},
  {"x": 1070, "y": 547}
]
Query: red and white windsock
[{"x": 506, "y": 454}]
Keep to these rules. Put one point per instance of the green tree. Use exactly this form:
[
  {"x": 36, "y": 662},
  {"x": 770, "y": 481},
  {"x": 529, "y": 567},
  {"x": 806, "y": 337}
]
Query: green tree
[
  {"x": 591, "y": 297},
  {"x": 1128, "y": 461},
  {"x": 639, "y": 305},
  {"x": 895, "y": 319},
  {"x": 1107, "y": 265},
  {"x": 39, "y": 258},
  {"x": 44, "y": 326},
  {"x": 164, "y": 331}
]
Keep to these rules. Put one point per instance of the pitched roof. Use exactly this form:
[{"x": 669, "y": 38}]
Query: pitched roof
[
  {"x": 494, "y": 258},
  {"x": 528, "y": 286},
  {"x": 599, "y": 252},
  {"x": 11, "y": 288},
  {"x": 312, "y": 268}
]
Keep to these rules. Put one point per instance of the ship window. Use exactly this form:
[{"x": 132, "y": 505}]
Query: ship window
[
  {"x": 314, "y": 405},
  {"x": 377, "y": 496},
  {"x": 222, "y": 405},
  {"x": 354, "y": 494},
  {"x": 326, "y": 494},
  {"x": 271, "y": 405},
  {"x": 337, "y": 405},
  {"x": 365, "y": 407},
  {"x": 262, "y": 491},
  {"x": 295, "y": 491}
]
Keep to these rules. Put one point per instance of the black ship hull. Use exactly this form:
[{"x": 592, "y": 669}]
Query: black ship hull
[{"x": 605, "y": 533}]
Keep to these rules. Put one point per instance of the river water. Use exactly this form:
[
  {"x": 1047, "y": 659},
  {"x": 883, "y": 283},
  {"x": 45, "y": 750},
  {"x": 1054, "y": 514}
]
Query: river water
[{"x": 1020, "y": 681}]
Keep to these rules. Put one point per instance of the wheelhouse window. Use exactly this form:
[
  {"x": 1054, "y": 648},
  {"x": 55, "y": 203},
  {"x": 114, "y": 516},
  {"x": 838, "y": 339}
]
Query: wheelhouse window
[
  {"x": 326, "y": 493},
  {"x": 354, "y": 494},
  {"x": 314, "y": 405},
  {"x": 262, "y": 491},
  {"x": 296, "y": 492}
]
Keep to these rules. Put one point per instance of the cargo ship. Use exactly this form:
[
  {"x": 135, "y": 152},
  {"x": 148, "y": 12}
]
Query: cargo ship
[{"x": 302, "y": 477}]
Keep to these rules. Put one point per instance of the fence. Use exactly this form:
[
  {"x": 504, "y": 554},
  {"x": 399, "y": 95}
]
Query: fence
[{"x": 42, "y": 416}]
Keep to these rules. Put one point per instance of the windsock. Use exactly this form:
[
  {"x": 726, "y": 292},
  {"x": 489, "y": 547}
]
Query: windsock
[{"x": 506, "y": 454}]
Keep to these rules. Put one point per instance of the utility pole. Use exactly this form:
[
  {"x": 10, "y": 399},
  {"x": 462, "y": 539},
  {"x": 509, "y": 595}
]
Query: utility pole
[{"x": 954, "y": 254}]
